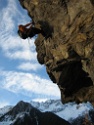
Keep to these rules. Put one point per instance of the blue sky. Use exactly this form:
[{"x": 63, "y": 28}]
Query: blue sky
[{"x": 21, "y": 76}]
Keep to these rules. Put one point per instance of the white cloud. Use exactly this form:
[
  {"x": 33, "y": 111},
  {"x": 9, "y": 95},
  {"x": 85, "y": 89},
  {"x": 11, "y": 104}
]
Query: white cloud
[
  {"x": 12, "y": 45},
  {"x": 28, "y": 83},
  {"x": 3, "y": 103},
  {"x": 14, "y": 42},
  {"x": 22, "y": 55},
  {"x": 15, "y": 48},
  {"x": 29, "y": 66},
  {"x": 9, "y": 14}
]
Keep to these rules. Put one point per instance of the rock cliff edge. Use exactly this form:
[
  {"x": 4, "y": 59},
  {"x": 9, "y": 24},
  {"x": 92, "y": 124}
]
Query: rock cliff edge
[{"x": 67, "y": 47}]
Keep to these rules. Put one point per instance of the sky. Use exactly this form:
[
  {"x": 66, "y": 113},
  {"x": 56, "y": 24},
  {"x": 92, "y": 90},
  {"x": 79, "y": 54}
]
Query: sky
[{"x": 21, "y": 76}]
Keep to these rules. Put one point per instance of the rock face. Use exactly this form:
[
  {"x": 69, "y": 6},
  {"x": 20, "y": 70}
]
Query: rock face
[{"x": 67, "y": 46}]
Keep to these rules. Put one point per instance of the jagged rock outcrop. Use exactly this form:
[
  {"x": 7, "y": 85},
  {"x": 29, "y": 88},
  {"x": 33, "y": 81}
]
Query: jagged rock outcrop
[{"x": 67, "y": 47}]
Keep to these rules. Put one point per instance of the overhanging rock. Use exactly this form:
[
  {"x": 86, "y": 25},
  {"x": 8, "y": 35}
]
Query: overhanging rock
[{"x": 67, "y": 48}]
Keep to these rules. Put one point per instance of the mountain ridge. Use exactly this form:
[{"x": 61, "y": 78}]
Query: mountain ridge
[{"x": 24, "y": 112}]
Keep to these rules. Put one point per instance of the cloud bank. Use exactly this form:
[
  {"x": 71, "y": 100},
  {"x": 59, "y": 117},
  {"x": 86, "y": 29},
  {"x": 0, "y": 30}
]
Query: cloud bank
[
  {"x": 12, "y": 46},
  {"x": 27, "y": 83},
  {"x": 20, "y": 58}
]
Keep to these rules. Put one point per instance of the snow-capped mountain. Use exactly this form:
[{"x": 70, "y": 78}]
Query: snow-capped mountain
[
  {"x": 4, "y": 110},
  {"x": 65, "y": 111},
  {"x": 24, "y": 111},
  {"x": 49, "y": 105}
]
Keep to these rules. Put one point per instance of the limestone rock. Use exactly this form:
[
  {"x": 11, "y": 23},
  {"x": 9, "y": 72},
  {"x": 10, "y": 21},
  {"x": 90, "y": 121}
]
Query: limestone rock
[{"x": 67, "y": 48}]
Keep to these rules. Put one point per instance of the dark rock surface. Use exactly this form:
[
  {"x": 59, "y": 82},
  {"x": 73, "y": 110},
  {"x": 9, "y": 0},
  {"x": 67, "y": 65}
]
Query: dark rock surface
[{"x": 67, "y": 47}]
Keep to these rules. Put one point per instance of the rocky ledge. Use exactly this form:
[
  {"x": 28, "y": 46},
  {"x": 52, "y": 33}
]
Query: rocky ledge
[{"x": 67, "y": 47}]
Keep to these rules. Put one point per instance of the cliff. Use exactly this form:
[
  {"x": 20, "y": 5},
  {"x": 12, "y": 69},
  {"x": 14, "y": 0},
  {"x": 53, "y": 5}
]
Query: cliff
[{"x": 67, "y": 46}]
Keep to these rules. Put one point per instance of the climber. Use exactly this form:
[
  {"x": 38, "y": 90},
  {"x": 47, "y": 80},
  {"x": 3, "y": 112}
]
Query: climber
[{"x": 28, "y": 30}]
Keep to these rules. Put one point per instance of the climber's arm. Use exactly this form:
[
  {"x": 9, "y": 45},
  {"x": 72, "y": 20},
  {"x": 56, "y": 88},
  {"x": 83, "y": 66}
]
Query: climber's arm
[{"x": 28, "y": 25}]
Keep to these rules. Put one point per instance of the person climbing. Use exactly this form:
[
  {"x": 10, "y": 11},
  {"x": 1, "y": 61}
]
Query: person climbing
[{"x": 28, "y": 30}]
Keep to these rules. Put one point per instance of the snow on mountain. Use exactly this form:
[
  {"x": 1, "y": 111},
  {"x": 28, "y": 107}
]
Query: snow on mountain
[
  {"x": 10, "y": 116},
  {"x": 67, "y": 111},
  {"x": 23, "y": 110},
  {"x": 4, "y": 110},
  {"x": 48, "y": 105}
]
